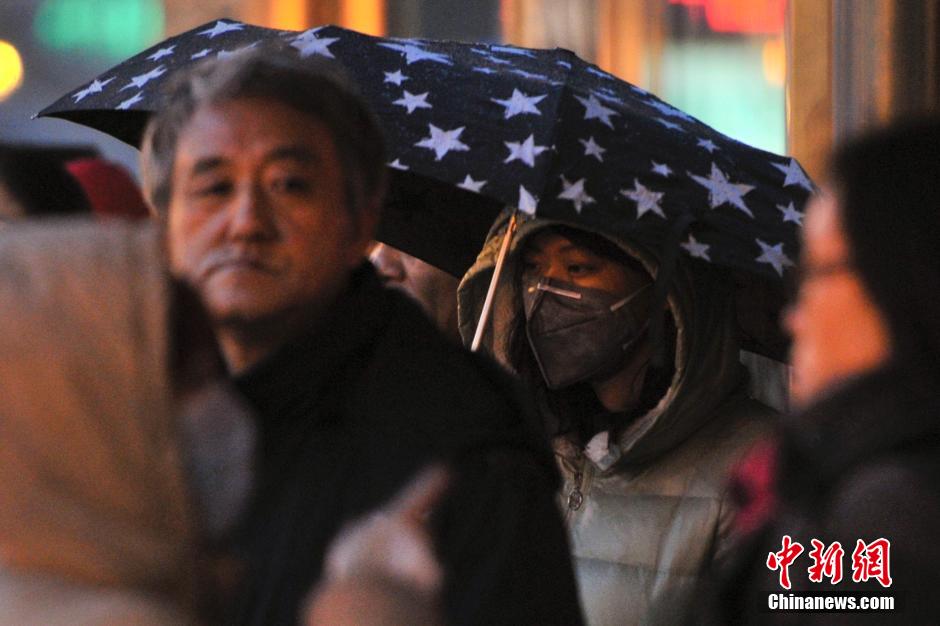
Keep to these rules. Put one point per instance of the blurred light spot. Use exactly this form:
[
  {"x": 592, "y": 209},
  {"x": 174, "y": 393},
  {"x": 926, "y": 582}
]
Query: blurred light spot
[
  {"x": 113, "y": 29},
  {"x": 774, "y": 57},
  {"x": 11, "y": 69},
  {"x": 288, "y": 14},
  {"x": 742, "y": 16},
  {"x": 721, "y": 83},
  {"x": 366, "y": 16}
]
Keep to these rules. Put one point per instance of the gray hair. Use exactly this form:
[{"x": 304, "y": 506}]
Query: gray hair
[{"x": 314, "y": 87}]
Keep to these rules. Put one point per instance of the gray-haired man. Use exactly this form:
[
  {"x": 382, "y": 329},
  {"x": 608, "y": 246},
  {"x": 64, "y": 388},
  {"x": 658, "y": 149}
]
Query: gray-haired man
[{"x": 269, "y": 174}]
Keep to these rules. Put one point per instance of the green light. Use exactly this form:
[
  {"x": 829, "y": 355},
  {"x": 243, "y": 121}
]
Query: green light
[
  {"x": 113, "y": 29},
  {"x": 722, "y": 83}
]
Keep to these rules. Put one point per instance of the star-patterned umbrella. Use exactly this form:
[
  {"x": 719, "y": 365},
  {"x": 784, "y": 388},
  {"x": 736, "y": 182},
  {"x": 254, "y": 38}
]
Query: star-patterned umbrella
[{"x": 541, "y": 130}]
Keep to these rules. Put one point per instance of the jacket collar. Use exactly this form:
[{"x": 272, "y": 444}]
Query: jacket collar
[{"x": 287, "y": 382}]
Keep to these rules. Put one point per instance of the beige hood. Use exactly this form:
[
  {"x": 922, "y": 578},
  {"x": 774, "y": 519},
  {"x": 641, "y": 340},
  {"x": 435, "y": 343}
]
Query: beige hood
[
  {"x": 706, "y": 366},
  {"x": 91, "y": 487}
]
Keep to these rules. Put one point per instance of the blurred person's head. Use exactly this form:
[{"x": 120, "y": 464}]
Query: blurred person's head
[
  {"x": 126, "y": 456},
  {"x": 269, "y": 173},
  {"x": 111, "y": 191},
  {"x": 871, "y": 270},
  {"x": 34, "y": 183},
  {"x": 434, "y": 289}
]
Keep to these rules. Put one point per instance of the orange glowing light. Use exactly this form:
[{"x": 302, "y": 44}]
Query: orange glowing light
[
  {"x": 774, "y": 58},
  {"x": 365, "y": 16},
  {"x": 288, "y": 14},
  {"x": 11, "y": 69}
]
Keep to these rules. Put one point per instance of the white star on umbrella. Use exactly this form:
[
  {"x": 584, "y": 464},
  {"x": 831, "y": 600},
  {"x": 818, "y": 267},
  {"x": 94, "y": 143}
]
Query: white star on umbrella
[
  {"x": 396, "y": 78},
  {"x": 224, "y": 54},
  {"x": 608, "y": 97},
  {"x": 794, "y": 175},
  {"x": 142, "y": 79},
  {"x": 667, "y": 109},
  {"x": 398, "y": 165},
  {"x": 591, "y": 148},
  {"x": 413, "y": 53},
  {"x": 201, "y": 53},
  {"x": 526, "y": 74},
  {"x": 443, "y": 141},
  {"x": 95, "y": 87},
  {"x": 721, "y": 190},
  {"x": 646, "y": 200},
  {"x": 708, "y": 144},
  {"x": 564, "y": 64},
  {"x": 220, "y": 28},
  {"x": 661, "y": 168},
  {"x": 527, "y": 202},
  {"x": 162, "y": 52},
  {"x": 310, "y": 45},
  {"x": 518, "y": 103},
  {"x": 512, "y": 50},
  {"x": 411, "y": 101},
  {"x": 668, "y": 124},
  {"x": 137, "y": 97},
  {"x": 790, "y": 214},
  {"x": 773, "y": 255},
  {"x": 472, "y": 185},
  {"x": 576, "y": 193},
  {"x": 484, "y": 70},
  {"x": 597, "y": 72},
  {"x": 595, "y": 110},
  {"x": 525, "y": 151},
  {"x": 498, "y": 61},
  {"x": 696, "y": 249}
]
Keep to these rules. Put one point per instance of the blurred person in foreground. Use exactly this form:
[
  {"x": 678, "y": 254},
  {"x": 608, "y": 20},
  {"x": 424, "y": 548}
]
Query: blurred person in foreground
[
  {"x": 38, "y": 181},
  {"x": 434, "y": 289},
  {"x": 860, "y": 463},
  {"x": 126, "y": 456},
  {"x": 34, "y": 183},
  {"x": 269, "y": 174}
]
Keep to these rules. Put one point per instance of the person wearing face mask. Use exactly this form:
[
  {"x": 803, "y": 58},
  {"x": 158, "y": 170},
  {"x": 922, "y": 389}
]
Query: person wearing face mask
[{"x": 644, "y": 443}]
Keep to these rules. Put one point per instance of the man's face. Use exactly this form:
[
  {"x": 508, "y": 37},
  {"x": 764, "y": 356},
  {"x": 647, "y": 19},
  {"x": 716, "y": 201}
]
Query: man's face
[
  {"x": 258, "y": 219},
  {"x": 837, "y": 330},
  {"x": 434, "y": 289}
]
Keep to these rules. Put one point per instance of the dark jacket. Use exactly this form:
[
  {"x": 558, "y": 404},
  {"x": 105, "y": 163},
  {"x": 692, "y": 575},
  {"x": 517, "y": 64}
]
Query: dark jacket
[
  {"x": 863, "y": 463},
  {"x": 349, "y": 413}
]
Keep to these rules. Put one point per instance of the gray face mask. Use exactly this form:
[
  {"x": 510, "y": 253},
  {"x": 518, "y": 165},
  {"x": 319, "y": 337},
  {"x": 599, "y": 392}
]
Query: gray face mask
[{"x": 577, "y": 333}]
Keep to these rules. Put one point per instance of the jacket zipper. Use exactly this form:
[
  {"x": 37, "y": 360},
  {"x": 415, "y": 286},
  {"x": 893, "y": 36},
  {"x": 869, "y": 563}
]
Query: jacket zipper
[{"x": 576, "y": 496}]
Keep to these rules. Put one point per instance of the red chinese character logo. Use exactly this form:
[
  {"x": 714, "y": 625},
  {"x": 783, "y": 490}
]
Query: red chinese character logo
[
  {"x": 872, "y": 561},
  {"x": 826, "y": 562},
  {"x": 782, "y": 560}
]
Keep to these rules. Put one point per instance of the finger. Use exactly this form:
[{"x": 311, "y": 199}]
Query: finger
[{"x": 416, "y": 501}]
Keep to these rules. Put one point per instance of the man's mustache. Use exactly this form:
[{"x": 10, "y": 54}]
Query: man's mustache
[{"x": 239, "y": 257}]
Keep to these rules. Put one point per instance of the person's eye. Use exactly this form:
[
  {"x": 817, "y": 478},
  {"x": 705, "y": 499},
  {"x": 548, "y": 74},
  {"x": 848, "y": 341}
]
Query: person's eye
[
  {"x": 581, "y": 269},
  {"x": 216, "y": 188},
  {"x": 530, "y": 267},
  {"x": 292, "y": 184}
]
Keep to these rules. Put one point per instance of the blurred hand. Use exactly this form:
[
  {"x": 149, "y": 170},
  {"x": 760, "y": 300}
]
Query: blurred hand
[{"x": 394, "y": 542}]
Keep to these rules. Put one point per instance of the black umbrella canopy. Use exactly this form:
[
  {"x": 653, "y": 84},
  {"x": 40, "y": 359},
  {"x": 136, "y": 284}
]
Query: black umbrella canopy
[{"x": 541, "y": 130}]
